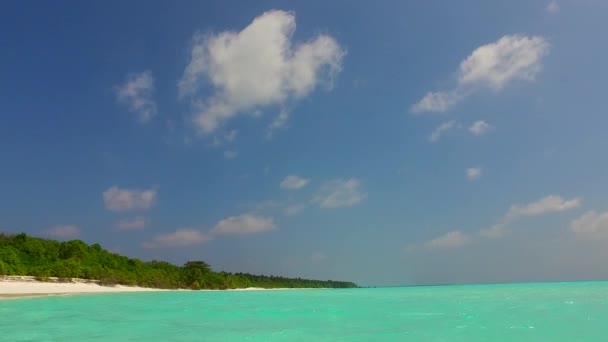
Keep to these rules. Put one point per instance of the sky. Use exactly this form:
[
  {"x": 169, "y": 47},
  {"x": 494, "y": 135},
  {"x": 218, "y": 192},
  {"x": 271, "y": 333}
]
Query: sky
[{"x": 393, "y": 143}]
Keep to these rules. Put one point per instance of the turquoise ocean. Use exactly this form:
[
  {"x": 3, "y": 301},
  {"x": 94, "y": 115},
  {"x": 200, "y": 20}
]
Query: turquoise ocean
[{"x": 508, "y": 312}]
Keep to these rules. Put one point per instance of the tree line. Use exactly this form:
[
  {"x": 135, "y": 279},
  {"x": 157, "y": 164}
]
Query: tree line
[{"x": 21, "y": 254}]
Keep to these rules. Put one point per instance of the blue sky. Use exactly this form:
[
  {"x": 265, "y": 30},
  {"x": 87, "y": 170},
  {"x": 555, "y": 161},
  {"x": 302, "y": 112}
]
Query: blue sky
[{"x": 393, "y": 143}]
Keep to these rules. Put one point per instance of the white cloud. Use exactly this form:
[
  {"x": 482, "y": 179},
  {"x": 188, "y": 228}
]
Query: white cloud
[
  {"x": 294, "y": 182},
  {"x": 230, "y": 154},
  {"x": 243, "y": 225},
  {"x": 294, "y": 209},
  {"x": 136, "y": 93},
  {"x": 257, "y": 67},
  {"x": 545, "y": 205},
  {"x": 491, "y": 66},
  {"x": 280, "y": 122},
  {"x": 480, "y": 127},
  {"x": 64, "y": 231},
  {"x": 473, "y": 173},
  {"x": 437, "y": 101},
  {"x": 553, "y": 7},
  {"x": 180, "y": 238},
  {"x": 440, "y": 130},
  {"x": 136, "y": 223},
  {"x": 548, "y": 204},
  {"x": 339, "y": 193},
  {"x": 117, "y": 199},
  {"x": 508, "y": 59},
  {"x": 591, "y": 224},
  {"x": 452, "y": 239}
]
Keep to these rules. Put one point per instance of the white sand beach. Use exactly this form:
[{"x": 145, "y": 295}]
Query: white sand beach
[
  {"x": 23, "y": 286},
  {"x": 27, "y": 286}
]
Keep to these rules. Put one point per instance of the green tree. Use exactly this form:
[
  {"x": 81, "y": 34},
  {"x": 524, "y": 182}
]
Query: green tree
[
  {"x": 3, "y": 268},
  {"x": 9, "y": 255},
  {"x": 96, "y": 247},
  {"x": 73, "y": 249},
  {"x": 195, "y": 270}
]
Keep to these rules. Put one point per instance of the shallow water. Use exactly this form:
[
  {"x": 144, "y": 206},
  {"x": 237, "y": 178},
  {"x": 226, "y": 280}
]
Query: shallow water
[{"x": 509, "y": 312}]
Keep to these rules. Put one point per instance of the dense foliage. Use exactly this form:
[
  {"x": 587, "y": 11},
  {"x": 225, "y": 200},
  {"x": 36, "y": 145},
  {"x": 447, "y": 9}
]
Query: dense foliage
[{"x": 24, "y": 255}]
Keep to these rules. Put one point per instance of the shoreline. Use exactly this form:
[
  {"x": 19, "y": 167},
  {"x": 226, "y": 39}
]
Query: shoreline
[
  {"x": 14, "y": 287},
  {"x": 17, "y": 287}
]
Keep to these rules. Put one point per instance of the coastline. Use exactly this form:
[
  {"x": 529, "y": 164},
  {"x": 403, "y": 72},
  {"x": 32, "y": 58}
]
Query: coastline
[{"x": 15, "y": 287}]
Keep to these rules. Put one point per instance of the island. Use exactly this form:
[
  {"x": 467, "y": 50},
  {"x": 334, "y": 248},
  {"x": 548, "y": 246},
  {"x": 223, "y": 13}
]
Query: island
[{"x": 45, "y": 260}]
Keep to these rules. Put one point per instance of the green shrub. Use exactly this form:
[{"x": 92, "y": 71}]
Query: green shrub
[
  {"x": 108, "y": 282},
  {"x": 43, "y": 278}
]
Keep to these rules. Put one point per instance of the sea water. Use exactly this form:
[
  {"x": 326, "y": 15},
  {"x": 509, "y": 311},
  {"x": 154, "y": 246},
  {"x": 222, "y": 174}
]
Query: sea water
[{"x": 510, "y": 312}]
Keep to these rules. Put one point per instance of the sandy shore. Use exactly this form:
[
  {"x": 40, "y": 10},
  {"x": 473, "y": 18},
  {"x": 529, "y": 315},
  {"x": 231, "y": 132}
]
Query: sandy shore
[
  {"x": 25, "y": 286},
  {"x": 15, "y": 287}
]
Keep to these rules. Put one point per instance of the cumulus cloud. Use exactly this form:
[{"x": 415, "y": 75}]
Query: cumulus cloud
[
  {"x": 452, "y": 239},
  {"x": 545, "y": 205},
  {"x": 480, "y": 127},
  {"x": 243, "y": 225},
  {"x": 553, "y": 7},
  {"x": 438, "y": 101},
  {"x": 136, "y": 223},
  {"x": 136, "y": 93},
  {"x": 491, "y": 66},
  {"x": 294, "y": 182},
  {"x": 339, "y": 193},
  {"x": 508, "y": 59},
  {"x": 64, "y": 231},
  {"x": 440, "y": 130},
  {"x": 246, "y": 224},
  {"x": 117, "y": 199},
  {"x": 257, "y": 67},
  {"x": 548, "y": 204},
  {"x": 473, "y": 173},
  {"x": 180, "y": 238},
  {"x": 591, "y": 224}
]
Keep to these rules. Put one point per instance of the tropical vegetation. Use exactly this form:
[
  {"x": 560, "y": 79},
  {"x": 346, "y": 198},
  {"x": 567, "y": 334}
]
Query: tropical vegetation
[{"x": 21, "y": 254}]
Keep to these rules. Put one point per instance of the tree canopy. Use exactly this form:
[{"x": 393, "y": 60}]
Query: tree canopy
[{"x": 24, "y": 255}]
